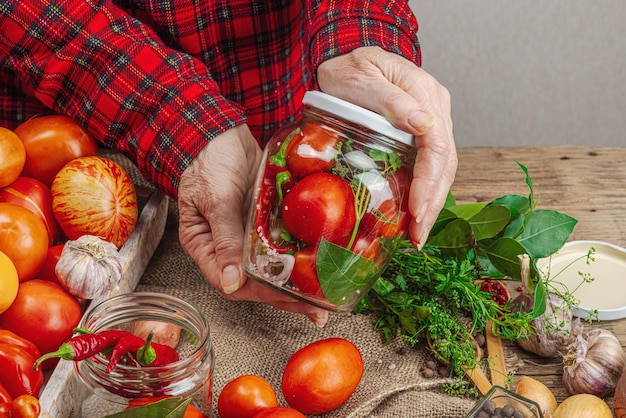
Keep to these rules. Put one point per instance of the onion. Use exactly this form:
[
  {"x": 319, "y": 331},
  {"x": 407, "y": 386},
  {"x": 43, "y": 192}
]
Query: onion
[
  {"x": 583, "y": 405},
  {"x": 164, "y": 332},
  {"x": 536, "y": 391},
  {"x": 594, "y": 363},
  {"x": 89, "y": 267}
]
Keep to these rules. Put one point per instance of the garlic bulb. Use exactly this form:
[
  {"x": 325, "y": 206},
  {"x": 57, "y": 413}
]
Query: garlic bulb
[
  {"x": 89, "y": 267},
  {"x": 594, "y": 363}
]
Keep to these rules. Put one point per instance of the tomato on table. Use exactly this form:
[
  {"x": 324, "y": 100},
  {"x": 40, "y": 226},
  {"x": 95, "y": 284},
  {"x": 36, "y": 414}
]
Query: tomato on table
[
  {"x": 9, "y": 282},
  {"x": 48, "y": 269},
  {"x": 12, "y": 157},
  {"x": 244, "y": 396},
  {"x": 23, "y": 238},
  {"x": 95, "y": 196},
  {"x": 43, "y": 313},
  {"x": 280, "y": 412},
  {"x": 322, "y": 376},
  {"x": 25, "y": 406},
  {"x": 51, "y": 142},
  {"x": 35, "y": 196}
]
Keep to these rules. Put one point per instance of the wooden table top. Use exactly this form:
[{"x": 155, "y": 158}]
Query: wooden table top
[{"x": 586, "y": 183}]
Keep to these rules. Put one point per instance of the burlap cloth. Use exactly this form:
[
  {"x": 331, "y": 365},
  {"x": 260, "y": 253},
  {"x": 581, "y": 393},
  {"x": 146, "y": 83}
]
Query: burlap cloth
[{"x": 253, "y": 338}]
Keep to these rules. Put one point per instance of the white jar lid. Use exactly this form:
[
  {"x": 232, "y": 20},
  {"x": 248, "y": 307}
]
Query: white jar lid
[{"x": 356, "y": 114}]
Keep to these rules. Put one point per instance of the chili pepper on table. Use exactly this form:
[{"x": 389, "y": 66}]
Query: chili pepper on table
[
  {"x": 276, "y": 181},
  {"x": 150, "y": 354},
  {"x": 18, "y": 376},
  {"x": 83, "y": 346}
]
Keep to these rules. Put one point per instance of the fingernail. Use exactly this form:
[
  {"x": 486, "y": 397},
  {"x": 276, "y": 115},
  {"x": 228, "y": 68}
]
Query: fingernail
[
  {"x": 319, "y": 319},
  {"x": 230, "y": 279},
  {"x": 419, "y": 217},
  {"x": 421, "y": 121}
]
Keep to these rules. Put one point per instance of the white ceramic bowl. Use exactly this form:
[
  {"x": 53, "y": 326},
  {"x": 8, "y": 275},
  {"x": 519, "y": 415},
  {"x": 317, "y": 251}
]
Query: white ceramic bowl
[{"x": 606, "y": 293}]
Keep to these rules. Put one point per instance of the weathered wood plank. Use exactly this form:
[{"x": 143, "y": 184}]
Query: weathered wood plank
[{"x": 584, "y": 182}]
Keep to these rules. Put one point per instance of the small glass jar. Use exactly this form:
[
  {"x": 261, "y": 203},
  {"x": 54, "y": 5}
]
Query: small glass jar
[
  {"x": 330, "y": 205},
  {"x": 500, "y": 402},
  {"x": 190, "y": 377}
]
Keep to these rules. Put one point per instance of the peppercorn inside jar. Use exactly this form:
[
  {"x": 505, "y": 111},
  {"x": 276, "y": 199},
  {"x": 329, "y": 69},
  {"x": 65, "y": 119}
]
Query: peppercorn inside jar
[
  {"x": 330, "y": 205},
  {"x": 183, "y": 380}
]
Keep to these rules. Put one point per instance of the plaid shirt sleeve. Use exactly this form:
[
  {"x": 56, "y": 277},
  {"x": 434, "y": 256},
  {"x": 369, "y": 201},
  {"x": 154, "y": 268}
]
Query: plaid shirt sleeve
[
  {"x": 336, "y": 27},
  {"x": 159, "y": 92}
]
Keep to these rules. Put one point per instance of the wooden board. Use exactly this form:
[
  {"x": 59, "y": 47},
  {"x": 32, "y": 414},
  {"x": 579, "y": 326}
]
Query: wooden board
[{"x": 62, "y": 391}]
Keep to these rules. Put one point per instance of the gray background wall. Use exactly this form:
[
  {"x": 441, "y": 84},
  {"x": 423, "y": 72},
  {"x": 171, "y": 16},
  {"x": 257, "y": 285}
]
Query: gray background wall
[{"x": 529, "y": 72}]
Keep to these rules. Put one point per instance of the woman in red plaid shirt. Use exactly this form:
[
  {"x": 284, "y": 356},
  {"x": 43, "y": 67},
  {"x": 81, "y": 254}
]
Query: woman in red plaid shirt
[{"x": 191, "y": 90}]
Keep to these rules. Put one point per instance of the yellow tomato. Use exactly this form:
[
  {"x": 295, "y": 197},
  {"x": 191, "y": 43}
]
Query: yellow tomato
[{"x": 9, "y": 282}]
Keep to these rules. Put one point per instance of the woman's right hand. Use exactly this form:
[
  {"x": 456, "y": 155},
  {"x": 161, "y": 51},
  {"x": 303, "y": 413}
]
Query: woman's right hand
[{"x": 213, "y": 200}]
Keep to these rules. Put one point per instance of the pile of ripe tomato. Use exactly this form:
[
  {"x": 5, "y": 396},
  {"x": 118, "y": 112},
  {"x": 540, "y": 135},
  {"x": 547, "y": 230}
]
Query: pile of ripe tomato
[{"x": 36, "y": 313}]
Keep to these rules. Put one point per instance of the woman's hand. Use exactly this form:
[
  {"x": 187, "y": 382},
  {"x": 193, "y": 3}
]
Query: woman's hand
[
  {"x": 413, "y": 101},
  {"x": 213, "y": 199}
]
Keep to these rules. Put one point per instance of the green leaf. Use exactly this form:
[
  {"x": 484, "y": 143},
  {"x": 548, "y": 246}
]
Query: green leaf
[
  {"x": 539, "y": 303},
  {"x": 166, "y": 408},
  {"x": 545, "y": 232},
  {"x": 516, "y": 203},
  {"x": 445, "y": 217},
  {"x": 455, "y": 239},
  {"x": 450, "y": 201},
  {"x": 489, "y": 221},
  {"x": 503, "y": 255},
  {"x": 343, "y": 273},
  {"x": 528, "y": 182},
  {"x": 466, "y": 210}
]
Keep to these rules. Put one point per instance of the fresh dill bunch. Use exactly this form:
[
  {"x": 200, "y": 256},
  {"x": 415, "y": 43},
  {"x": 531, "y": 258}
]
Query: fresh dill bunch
[{"x": 423, "y": 295}]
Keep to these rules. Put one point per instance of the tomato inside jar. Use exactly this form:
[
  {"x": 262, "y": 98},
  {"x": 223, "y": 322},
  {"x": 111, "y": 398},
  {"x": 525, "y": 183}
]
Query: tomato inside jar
[{"x": 330, "y": 203}]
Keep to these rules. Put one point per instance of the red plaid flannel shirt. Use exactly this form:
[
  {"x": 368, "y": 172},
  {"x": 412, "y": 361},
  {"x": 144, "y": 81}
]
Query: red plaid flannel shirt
[{"x": 158, "y": 79}]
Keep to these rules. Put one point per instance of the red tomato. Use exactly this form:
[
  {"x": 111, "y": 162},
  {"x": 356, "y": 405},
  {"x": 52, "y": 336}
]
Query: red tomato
[
  {"x": 313, "y": 151},
  {"x": 5, "y": 409},
  {"x": 95, "y": 196},
  {"x": 322, "y": 376},
  {"x": 35, "y": 196},
  {"x": 386, "y": 221},
  {"x": 190, "y": 412},
  {"x": 12, "y": 157},
  {"x": 366, "y": 246},
  {"x": 25, "y": 406},
  {"x": 319, "y": 205},
  {"x": 47, "y": 271},
  {"x": 244, "y": 396},
  {"x": 280, "y": 412},
  {"x": 51, "y": 142},
  {"x": 23, "y": 238},
  {"x": 43, "y": 313},
  {"x": 304, "y": 273}
]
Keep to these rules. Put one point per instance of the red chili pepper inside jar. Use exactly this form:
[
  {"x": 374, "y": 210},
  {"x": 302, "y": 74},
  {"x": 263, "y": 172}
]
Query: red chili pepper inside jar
[
  {"x": 330, "y": 203},
  {"x": 189, "y": 375}
]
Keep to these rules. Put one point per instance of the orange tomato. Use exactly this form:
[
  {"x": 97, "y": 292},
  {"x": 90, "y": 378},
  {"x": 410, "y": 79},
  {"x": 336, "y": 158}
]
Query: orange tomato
[
  {"x": 245, "y": 396},
  {"x": 9, "y": 282},
  {"x": 280, "y": 412},
  {"x": 322, "y": 376},
  {"x": 23, "y": 238},
  {"x": 95, "y": 196},
  {"x": 12, "y": 157},
  {"x": 51, "y": 142}
]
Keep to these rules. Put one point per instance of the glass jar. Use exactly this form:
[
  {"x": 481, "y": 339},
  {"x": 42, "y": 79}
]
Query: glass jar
[
  {"x": 330, "y": 205},
  {"x": 190, "y": 377}
]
